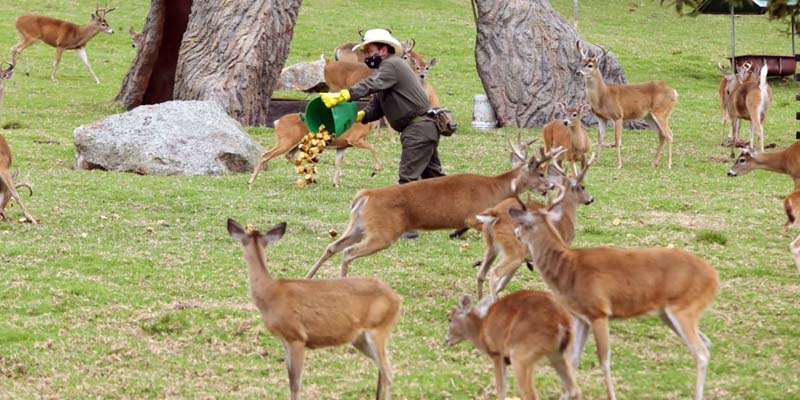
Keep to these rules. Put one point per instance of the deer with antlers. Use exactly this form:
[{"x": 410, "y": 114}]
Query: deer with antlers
[
  {"x": 9, "y": 184},
  {"x": 497, "y": 228},
  {"x": 60, "y": 34},
  {"x": 379, "y": 216},
  {"x": 652, "y": 101},
  {"x": 749, "y": 100},
  {"x": 289, "y": 132},
  {"x": 598, "y": 284},
  {"x": 727, "y": 84},
  {"x": 311, "y": 314},
  {"x": 519, "y": 329}
]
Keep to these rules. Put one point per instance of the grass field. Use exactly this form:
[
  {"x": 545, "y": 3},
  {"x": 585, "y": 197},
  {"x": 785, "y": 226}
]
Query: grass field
[{"x": 92, "y": 305}]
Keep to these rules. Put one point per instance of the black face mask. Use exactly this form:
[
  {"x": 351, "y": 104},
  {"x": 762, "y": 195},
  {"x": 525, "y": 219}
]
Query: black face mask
[{"x": 373, "y": 61}]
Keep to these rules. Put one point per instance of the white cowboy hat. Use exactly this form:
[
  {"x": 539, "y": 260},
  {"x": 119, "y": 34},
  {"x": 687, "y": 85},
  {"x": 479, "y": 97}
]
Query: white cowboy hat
[{"x": 380, "y": 36}]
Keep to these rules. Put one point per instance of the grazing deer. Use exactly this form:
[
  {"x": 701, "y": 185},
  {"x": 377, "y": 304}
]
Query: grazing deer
[
  {"x": 320, "y": 313},
  {"x": 9, "y": 184},
  {"x": 786, "y": 161},
  {"x": 791, "y": 204},
  {"x": 289, "y": 132},
  {"x": 136, "y": 38},
  {"x": 519, "y": 329},
  {"x": 60, "y": 34},
  {"x": 497, "y": 228},
  {"x": 569, "y": 134},
  {"x": 652, "y": 101},
  {"x": 794, "y": 247},
  {"x": 597, "y": 284},
  {"x": 750, "y": 100},
  {"x": 379, "y": 216}
]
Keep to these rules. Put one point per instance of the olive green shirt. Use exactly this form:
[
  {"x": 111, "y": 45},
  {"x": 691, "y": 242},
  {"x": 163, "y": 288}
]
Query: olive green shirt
[{"x": 399, "y": 95}]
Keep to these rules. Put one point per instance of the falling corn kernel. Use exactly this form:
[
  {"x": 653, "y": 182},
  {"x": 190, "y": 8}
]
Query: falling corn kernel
[
  {"x": 300, "y": 183},
  {"x": 616, "y": 222},
  {"x": 332, "y": 233}
]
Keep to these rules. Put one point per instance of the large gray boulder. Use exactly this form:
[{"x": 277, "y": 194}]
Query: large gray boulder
[
  {"x": 172, "y": 138},
  {"x": 305, "y": 76}
]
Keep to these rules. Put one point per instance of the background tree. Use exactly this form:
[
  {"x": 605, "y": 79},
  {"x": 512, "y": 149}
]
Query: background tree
[{"x": 189, "y": 54}]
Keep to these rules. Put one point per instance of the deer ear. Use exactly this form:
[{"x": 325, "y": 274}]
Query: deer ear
[
  {"x": 432, "y": 62},
  {"x": 94, "y": 17},
  {"x": 275, "y": 233},
  {"x": 235, "y": 230},
  {"x": 521, "y": 216},
  {"x": 555, "y": 214},
  {"x": 465, "y": 303}
]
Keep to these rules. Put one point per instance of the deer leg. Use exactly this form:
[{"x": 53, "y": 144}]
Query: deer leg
[
  {"x": 262, "y": 162},
  {"x": 523, "y": 370},
  {"x": 384, "y": 367},
  {"x": 371, "y": 245},
  {"x": 618, "y": 140},
  {"x": 294, "y": 363},
  {"x": 489, "y": 256},
  {"x": 82, "y": 54},
  {"x": 600, "y": 329},
  {"x": 338, "y": 164},
  {"x": 349, "y": 237},
  {"x": 661, "y": 127},
  {"x": 17, "y": 50},
  {"x": 59, "y": 51},
  {"x": 5, "y": 179},
  {"x": 499, "y": 376},
  {"x": 512, "y": 260},
  {"x": 734, "y": 135},
  {"x": 566, "y": 374},
  {"x": 581, "y": 334},
  {"x": 685, "y": 324},
  {"x": 362, "y": 144}
]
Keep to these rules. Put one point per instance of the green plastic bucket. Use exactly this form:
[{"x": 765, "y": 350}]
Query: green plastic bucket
[{"x": 336, "y": 119}]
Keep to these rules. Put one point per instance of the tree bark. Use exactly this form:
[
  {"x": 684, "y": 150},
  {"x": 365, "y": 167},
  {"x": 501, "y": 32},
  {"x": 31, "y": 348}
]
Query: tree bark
[
  {"x": 233, "y": 53},
  {"x": 526, "y": 57}
]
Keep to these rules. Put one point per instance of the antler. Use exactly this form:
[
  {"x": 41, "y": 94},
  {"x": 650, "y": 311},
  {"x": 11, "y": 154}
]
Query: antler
[
  {"x": 104, "y": 11},
  {"x": 562, "y": 193},
  {"x": 361, "y": 34},
  {"x": 24, "y": 183},
  {"x": 601, "y": 48},
  {"x": 409, "y": 45},
  {"x": 586, "y": 168},
  {"x": 581, "y": 49}
]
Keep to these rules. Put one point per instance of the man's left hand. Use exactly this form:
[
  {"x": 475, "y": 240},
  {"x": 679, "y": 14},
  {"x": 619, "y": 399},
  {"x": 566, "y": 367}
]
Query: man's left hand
[{"x": 331, "y": 99}]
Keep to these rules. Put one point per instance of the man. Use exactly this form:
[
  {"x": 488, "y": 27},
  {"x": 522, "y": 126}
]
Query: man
[{"x": 398, "y": 95}]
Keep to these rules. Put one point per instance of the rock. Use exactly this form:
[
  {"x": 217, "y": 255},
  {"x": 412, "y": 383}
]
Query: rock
[
  {"x": 305, "y": 76},
  {"x": 172, "y": 138}
]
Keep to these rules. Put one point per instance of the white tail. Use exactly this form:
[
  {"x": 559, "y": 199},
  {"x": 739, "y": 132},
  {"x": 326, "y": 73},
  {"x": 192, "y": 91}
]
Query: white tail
[
  {"x": 320, "y": 313},
  {"x": 652, "y": 101},
  {"x": 520, "y": 329},
  {"x": 601, "y": 283},
  {"x": 8, "y": 184},
  {"x": 568, "y": 133},
  {"x": 497, "y": 229},
  {"x": 786, "y": 161},
  {"x": 379, "y": 216},
  {"x": 289, "y": 131},
  {"x": 60, "y": 34}
]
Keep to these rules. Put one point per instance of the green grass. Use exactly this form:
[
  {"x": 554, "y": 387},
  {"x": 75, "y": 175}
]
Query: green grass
[{"x": 93, "y": 304}]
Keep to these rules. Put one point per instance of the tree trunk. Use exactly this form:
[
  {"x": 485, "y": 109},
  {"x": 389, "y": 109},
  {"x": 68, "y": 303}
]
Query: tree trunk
[
  {"x": 233, "y": 53},
  {"x": 526, "y": 58}
]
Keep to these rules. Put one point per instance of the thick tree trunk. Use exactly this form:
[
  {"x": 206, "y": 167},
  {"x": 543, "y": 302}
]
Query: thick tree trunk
[
  {"x": 233, "y": 53},
  {"x": 152, "y": 75},
  {"x": 526, "y": 57}
]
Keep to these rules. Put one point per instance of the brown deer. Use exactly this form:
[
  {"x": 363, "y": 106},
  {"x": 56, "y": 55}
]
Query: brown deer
[
  {"x": 320, "y": 313},
  {"x": 60, "y": 34},
  {"x": 652, "y": 101},
  {"x": 727, "y": 84},
  {"x": 569, "y": 134},
  {"x": 750, "y": 100},
  {"x": 289, "y": 132},
  {"x": 5, "y": 74},
  {"x": 345, "y": 52},
  {"x": 791, "y": 204},
  {"x": 519, "y": 329},
  {"x": 497, "y": 228},
  {"x": 786, "y": 161},
  {"x": 597, "y": 284},
  {"x": 379, "y": 216},
  {"x": 9, "y": 184},
  {"x": 137, "y": 38}
]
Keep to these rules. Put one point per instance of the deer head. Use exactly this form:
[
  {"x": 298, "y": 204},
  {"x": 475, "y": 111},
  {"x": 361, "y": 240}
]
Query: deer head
[{"x": 99, "y": 19}]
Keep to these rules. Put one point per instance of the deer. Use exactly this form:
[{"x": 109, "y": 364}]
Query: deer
[
  {"x": 289, "y": 132},
  {"x": 519, "y": 329},
  {"x": 750, "y": 100},
  {"x": 786, "y": 161},
  {"x": 137, "y": 38},
  {"x": 729, "y": 82},
  {"x": 60, "y": 34},
  {"x": 569, "y": 134},
  {"x": 9, "y": 184},
  {"x": 421, "y": 68},
  {"x": 5, "y": 74},
  {"x": 380, "y": 215},
  {"x": 497, "y": 229},
  {"x": 596, "y": 284},
  {"x": 652, "y": 101},
  {"x": 308, "y": 314},
  {"x": 345, "y": 52},
  {"x": 791, "y": 204}
]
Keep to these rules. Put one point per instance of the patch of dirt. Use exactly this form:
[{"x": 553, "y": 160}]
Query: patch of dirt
[{"x": 686, "y": 220}]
